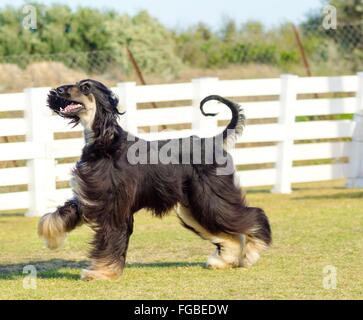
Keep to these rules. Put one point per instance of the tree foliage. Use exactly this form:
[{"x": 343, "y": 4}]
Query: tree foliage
[
  {"x": 68, "y": 35},
  {"x": 63, "y": 31}
]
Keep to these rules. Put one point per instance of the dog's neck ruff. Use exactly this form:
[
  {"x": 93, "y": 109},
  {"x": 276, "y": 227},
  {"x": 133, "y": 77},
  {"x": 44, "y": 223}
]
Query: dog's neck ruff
[
  {"x": 88, "y": 135},
  {"x": 102, "y": 134}
]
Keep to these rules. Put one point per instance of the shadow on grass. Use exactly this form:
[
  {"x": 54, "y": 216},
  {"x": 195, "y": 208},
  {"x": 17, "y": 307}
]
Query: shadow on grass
[
  {"x": 342, "y": 195},
  {"x": 164, "y": 264},
  {"x": 45, "y": 269},
  {"x": 8, "y": 215},
  {"x": 55, "y": 268}
]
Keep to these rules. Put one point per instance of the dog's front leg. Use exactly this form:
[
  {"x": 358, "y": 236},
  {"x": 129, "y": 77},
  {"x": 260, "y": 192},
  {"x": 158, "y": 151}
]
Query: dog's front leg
[
  {"x": 109, "y": 251},
  {"x": 53, "y": 227}
]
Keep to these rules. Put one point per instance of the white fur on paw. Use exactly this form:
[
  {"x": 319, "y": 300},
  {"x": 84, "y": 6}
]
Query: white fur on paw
[
  {"x": 51, "y": 229},
  {"x": 56, "y": 242},
  {"x": 216, "y": 262},
  {"x": 87, "y": 275},
  {"x": 251, "y": 258}
]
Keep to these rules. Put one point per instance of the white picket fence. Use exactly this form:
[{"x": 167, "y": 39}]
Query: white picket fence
[{"x": 41, "y": 150}]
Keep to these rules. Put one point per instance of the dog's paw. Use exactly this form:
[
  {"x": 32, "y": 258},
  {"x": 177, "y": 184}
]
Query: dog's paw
[
  {"x": 55, "y": 242},
  {"x": 250, "y": 259},
  {"x": 224, "y": 261},
  {"x": 89, "y": 274},
  {"x": 252, "y": 252},
  {"x": 216, "y": 262},
  {"x": 51, "y": 230}
]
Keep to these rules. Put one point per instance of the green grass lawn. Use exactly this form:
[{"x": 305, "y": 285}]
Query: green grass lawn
[{"x": 317, "y": 225}]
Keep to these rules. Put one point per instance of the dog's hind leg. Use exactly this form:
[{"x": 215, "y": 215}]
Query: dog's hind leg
[
  {"x": 109, "y": 251},
  {"x": 229, "y": 248},
  {"x": 258, "y": 234},
  {"x": 219, "y": 206},
  {"x": 53, "y": 227}
]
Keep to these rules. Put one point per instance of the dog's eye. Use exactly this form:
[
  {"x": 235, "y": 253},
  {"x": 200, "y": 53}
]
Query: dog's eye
[{"x": 85, "y": 88}]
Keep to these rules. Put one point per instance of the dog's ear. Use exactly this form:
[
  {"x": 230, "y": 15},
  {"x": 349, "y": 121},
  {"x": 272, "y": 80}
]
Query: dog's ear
[{"x": 113, "y": 100}]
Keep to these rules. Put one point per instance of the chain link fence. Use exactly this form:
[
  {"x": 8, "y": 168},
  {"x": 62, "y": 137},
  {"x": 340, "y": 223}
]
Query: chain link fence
[
  {"x": 307, "y": 50},
  {"x": 335, "y": 51}
]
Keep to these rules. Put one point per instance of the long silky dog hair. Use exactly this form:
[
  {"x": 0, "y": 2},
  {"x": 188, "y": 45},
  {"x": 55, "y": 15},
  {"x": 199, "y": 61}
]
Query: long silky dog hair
[{"x": 109, "y": 188}]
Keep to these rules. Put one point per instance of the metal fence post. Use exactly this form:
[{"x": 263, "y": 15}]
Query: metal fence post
[
  {"x": 355, "y": 177},
  {"x": 42, "y": 184},
  {"x": 286, "y": 122}
]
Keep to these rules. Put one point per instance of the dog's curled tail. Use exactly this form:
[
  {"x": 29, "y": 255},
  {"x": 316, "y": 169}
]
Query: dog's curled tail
[{"x": 235, "y": 127}]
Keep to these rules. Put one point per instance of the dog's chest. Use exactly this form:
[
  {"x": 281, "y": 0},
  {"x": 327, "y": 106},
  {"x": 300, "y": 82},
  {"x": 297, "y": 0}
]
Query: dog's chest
[{"x": 89, "y": 183}]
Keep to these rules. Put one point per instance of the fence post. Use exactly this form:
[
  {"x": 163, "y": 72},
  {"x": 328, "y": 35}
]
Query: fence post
[
  {"x": 286, "y": 122},
  {"x": 42, "y": 184},
  {"x": 355, "y": 175},
  {"x": 202, "y": 87},
  {"x": 127, "y": 96}
]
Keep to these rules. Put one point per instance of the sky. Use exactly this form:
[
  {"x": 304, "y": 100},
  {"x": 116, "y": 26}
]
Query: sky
[{"x": 182, "y": 13}]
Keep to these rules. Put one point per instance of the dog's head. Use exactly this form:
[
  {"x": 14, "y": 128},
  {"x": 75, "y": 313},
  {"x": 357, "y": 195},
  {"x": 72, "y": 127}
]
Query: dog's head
[{"x": 83, "y": 101}]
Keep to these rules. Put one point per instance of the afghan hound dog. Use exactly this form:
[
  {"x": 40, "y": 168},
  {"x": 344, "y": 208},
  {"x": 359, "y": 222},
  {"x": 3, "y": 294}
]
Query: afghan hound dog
[{"x": 118, "y": 174}]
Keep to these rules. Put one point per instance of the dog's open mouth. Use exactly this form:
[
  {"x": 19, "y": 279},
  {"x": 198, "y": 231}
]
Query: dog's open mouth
[
  {"x": 63, "y": 106},
  {"x": 72, "y": 108}
]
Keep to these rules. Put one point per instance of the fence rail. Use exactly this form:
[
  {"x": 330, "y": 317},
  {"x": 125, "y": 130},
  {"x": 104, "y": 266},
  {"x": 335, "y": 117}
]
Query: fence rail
[{"x": 284, "y": 140}]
